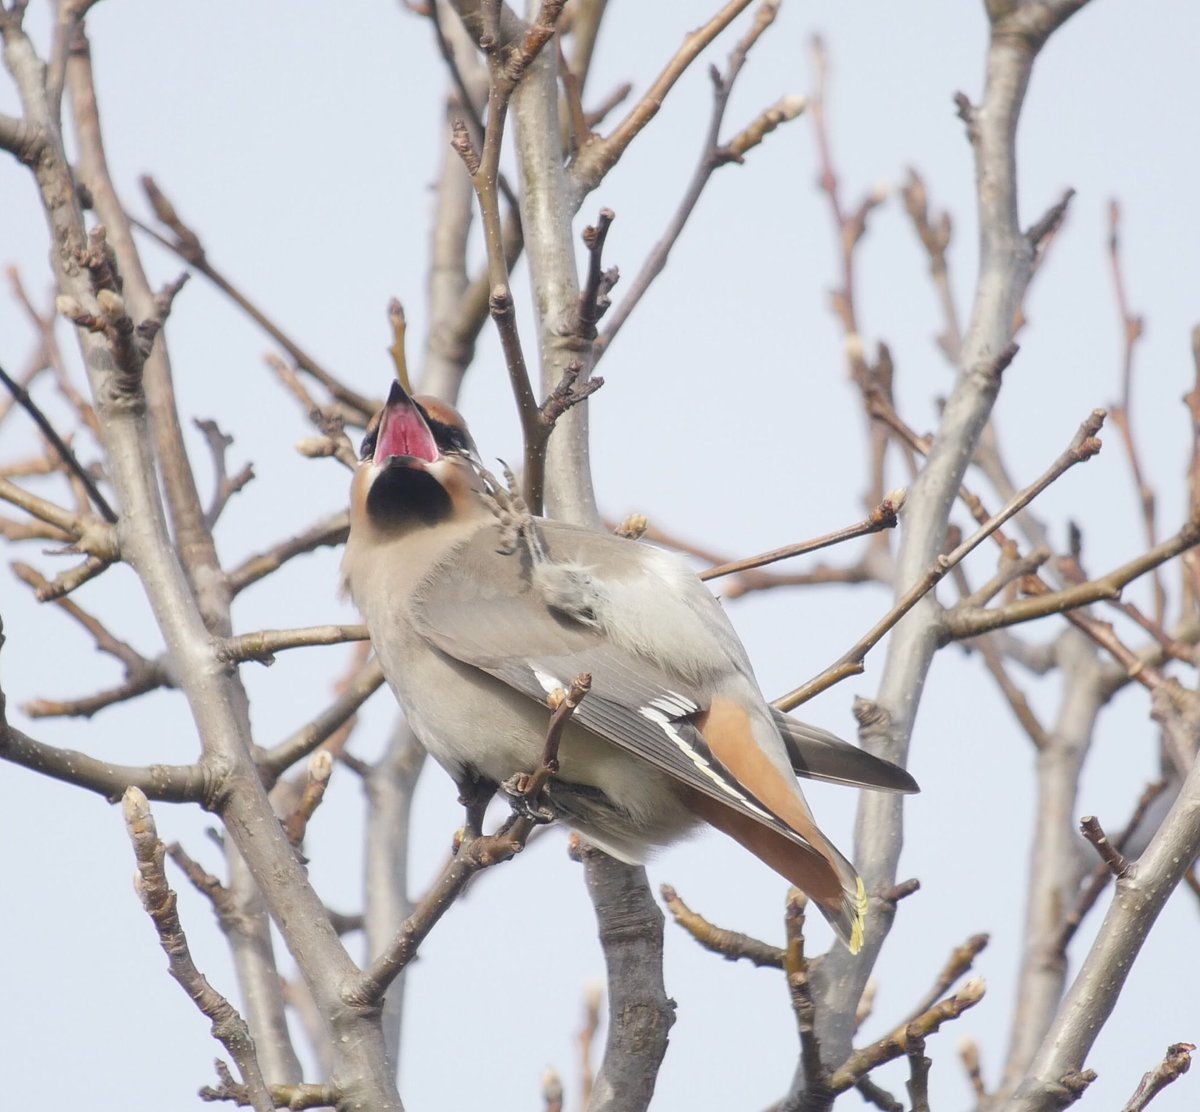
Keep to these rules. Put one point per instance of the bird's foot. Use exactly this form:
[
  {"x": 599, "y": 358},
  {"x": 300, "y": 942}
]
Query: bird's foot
[
  {"x": 524, "y": 802},
  {"x": 475, "y": 793},
  {"x": 512, "y": 512}
]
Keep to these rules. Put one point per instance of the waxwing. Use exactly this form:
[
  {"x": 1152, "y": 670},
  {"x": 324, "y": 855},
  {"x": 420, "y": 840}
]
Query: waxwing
[{"x": 477, "y": 619}]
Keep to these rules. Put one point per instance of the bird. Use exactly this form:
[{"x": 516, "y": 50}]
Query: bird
[{"x": 482, "y": 614}]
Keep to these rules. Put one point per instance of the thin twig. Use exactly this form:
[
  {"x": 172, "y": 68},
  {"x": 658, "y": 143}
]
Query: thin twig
[
  {"x": 92, "y": 536},
  {"x": 507, "y": 64},
  {"x": 968, "y": 1053},
  {"x": 1082, "y": 447},
  {"x": 1137, "y": 667},
  {"x": 1013, "y": 695},
  {"x": 225, "y": 486},
  {"x": 106, "y": 641},
  {"x": 204, "y": 882},
  {"x": 186, "y": 244},
  {"x": 934, "y": 234},
  {"x": 1101, "y": 875},
  {"x": 593, "y": 117},
  {"x": 1175, "y": 1064},
  {"x": 816, "y": 1077},
  {"x": 141, "y": 674},
  {"x": 918, "y": 1065},
  {"x": 880, "y": 407},
  {"x": 277, "y": 760},
  {"x": 957, "y": 965},
  {"x": 474, "y": 853},
  {"x": 962, "y": 621},
  {"x": 62, "y": 585},
  {"x": 398, "y": 350},
  {"x": 712, "y": 156},
  {"x": 577, "y": 125},
  {"x": 264, "y": 644},
  {"x": 295, "y": 1098},
  {"x": 138, "y": 683},
  {"x": 891, "y": 1046},
  {"x": 1113, "y": 859},
  {"x": 159, "y": 901},
  {"x": 731, "y": 945},
  {"x": 562, "y": 706},
  {"x": 593, "y": 998},
  {"x": 465, "y": 98},
  {"x": 52, "y": 356},
  {"x": 599, "y": 155},
  {"x": 879, "y": 1097},
  {"x": 1190, "y": 565},
  {"x": 169, "y": 783},
  {"x": 320, "y": 768},
  {"x": 884, "y": 516},
  {"x": 849, "y": 229},
  {"x": 329, "y": 533},
  {"x": 593, "y": 298},
  {"x": 1132, "y": 329},
  {"x": 331, "y": 423},
  {"x": 60, "y": 446}
]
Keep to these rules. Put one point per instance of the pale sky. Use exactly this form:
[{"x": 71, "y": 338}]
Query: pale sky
[{"x": 301, "y": 141}]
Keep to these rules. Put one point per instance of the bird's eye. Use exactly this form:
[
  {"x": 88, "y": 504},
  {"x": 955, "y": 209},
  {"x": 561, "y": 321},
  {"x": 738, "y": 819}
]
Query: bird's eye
[{"x": 451, "y": 438}]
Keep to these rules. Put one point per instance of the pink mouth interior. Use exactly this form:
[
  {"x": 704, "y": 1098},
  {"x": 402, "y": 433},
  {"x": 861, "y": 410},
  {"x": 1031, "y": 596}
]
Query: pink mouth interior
[{"x": 403, "y": 433}]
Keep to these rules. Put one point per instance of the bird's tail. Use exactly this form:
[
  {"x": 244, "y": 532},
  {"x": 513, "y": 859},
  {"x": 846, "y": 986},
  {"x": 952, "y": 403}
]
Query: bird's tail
[{"x": 819, "y": 871}]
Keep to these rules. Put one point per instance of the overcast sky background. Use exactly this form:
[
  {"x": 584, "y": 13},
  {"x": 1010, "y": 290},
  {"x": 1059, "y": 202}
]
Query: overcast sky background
[{"x": 301, "y": 141}]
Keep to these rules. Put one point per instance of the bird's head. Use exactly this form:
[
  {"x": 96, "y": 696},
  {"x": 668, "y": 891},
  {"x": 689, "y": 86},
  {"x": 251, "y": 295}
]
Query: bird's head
[{"x": 418, "y": 465}]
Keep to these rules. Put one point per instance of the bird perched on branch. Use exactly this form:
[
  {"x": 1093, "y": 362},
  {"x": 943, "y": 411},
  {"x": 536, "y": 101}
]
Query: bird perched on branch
[{"x": 481, "y": 613}]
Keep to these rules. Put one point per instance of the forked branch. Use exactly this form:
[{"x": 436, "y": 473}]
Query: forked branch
[
  {"x": 1083, "y": 446},
  {"x": 159, "y": 901},
  {"x": 473, "y": 853}
]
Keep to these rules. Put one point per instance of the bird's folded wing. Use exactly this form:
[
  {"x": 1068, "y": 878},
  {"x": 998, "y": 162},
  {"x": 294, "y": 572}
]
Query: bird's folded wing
[{"x": 479, "y": 607}]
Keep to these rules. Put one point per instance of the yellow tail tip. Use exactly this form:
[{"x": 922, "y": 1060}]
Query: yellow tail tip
[{"x": 860, "y": 916}]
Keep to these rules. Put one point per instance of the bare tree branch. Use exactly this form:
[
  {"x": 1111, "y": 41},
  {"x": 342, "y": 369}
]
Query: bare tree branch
[
  {"x": 640, "y": 1012},
  {"x": 1175, "y": 1064},
  {"x": 1139, "y": 897},
  {"x": 1083, "y": 446},
  {"x": 883, "y": 517},
  {"x": 818, "y": 1089},
  {"x": 731, "y": 945},
  {"x": 21, "y": 395},
  {"x": 263, "y": 645},
  {"x": 599, "y": 156},
  {"x": 362, "y": 685},
  {"x": 168, "y": 783},
  {"x": 472, "y": 853},
  {"x": 86, "y": 276},
  {"x": 896, "y": 1043},
  {"x": 712, "y": 156},
  {"x": 961, "y": 959},
  {"x": 188, "y": 247},
  {"x": 328, "y": 533},
  {"x": 1017, "y": 35}
]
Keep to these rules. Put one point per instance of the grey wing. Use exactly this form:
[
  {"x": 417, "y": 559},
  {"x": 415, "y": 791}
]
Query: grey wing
[
  {"x": 480, "y": 607},
  {"x": 820, "y": 755}
]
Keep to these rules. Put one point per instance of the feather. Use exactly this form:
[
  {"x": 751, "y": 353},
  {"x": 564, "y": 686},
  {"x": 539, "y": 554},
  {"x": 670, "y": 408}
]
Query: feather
[{"x": 817, "y": 754}]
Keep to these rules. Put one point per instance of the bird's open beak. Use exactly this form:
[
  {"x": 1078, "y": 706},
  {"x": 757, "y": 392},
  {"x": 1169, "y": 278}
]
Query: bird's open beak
[{"x": 403, "y": 431}]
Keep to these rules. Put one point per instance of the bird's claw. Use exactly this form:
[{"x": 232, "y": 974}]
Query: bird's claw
[
  {"x": 516, "y": 788},
  {"x": 512, "y": 512}
]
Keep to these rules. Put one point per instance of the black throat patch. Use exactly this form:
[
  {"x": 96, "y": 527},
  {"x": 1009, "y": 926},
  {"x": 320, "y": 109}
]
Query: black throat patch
[{"x": 405, "y": 495}]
